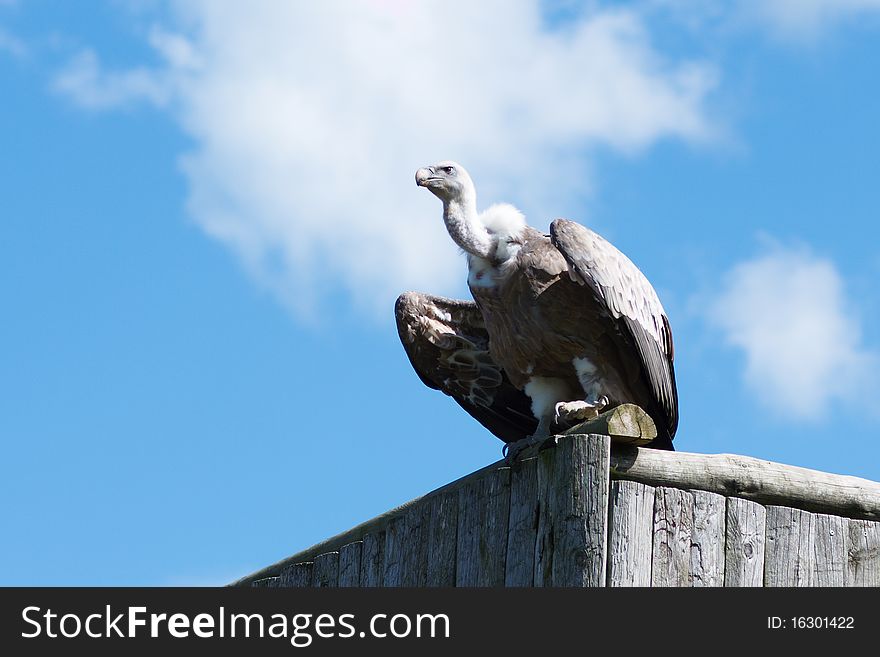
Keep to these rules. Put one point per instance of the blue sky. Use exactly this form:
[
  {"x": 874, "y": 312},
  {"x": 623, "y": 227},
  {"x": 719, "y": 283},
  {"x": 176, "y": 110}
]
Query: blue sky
[{"x": 207, "y": 212}]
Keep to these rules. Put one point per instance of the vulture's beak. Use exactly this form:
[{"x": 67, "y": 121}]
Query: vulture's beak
[{"x": 424, "y": 175}]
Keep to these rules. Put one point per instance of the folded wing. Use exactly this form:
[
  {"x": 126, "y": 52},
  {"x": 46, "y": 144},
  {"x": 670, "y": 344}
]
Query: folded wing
[{"x": 632, "y": 301}]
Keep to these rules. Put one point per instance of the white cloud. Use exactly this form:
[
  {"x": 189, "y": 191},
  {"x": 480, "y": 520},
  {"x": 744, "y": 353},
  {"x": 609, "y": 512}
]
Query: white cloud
[
  {"x": 309, "y": 120},
  {"x": 808, "y": 18},
  {"x": 787, "y": 310},
  {"x": 92, "y": 88}
]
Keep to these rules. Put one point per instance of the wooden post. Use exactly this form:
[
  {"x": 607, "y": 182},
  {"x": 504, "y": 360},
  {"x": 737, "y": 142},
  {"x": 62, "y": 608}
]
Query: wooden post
[
  {"x": 573, "y": 517},
  {"x": 543, "y": 559},
  {"x": 863, "y": 553},
  {"x": 373, "y": 559},
  {"x": 744, "y": 543},
  {"x": 673, "y": 532},
  {"x": 414, "y": 564},
  {"x": 483, "y": 509},
  {"x": 442, "y": 540},
  {"x": 630, "y": 534},
  {"x": 325, "y": 571},
  {"x": 788, "y": 559},
  {"x": 395, "y": 547},
  {"x": 523, "y": 524},
  {"x": 707, "y": 541},
  {"x": 830, "y": 541},
  {"x": 350, "y": 564},
  {"x": 297, "y": 575}
]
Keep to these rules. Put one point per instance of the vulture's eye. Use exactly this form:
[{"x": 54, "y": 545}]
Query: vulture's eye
[{"x": 449, "y": 170}]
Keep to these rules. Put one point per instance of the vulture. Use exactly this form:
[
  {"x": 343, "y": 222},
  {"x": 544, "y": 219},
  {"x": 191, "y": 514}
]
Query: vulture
[{"x": 562, "y": 326}]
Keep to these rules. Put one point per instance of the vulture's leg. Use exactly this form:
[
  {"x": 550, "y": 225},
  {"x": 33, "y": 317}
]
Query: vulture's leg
[
  {"x": 544, "y": 393},
  {"x": 571, "y": 412},
  {"x": 514, "y": 449}
]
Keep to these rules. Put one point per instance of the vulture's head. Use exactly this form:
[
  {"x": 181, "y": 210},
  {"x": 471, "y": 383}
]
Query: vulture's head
[{"x": 446, "y": 180}]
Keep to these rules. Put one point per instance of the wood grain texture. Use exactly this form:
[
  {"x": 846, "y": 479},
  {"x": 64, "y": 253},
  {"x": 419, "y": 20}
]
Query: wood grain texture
[
  {"x": 483, "y": 511},
  {"x": 801, "y": 548},
  {"x": 829, "y": 544},
  {"x": 325, "y": 570},
  {"x": 673, "y": 534},
  {"x": 543, "y": 560},
  {"x": 373, "y": 559},
  {"x": 630, "y": 534},
  {"x": 762, "y": 481},
  {"x": 350, "y": 564},
  {"x": 573, "y": 517},
  {"x": 297, "y": 575},
  {"x": 707, "y": 540},
  {"x": 746, "y": 523},
  {"x": 789, "y": 549},
  {"x": 442, "y": 540},
  {"x": 414, "y": 563},
  {"x": 395, "y": 549},
  {"x": 863, "y": 553},
  {"x": 805, "y": 549},
  {"x": 522, "y": 528}
]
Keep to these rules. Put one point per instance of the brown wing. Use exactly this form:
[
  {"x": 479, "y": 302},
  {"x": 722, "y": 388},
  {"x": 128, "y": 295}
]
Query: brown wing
[
  {"x": 632, "y": 301},
  {"x": 448, "y": 347}
]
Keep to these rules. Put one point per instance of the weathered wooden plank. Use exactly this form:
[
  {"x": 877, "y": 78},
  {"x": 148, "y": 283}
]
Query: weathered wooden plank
[
  {"x": 543, "y": 560},
  {"x": 325, "y": 571},
  {"x": 789, "y": 547},
  {"x": 805, "y": 549},
  {"x": 395, "y": 548},
  {"x": 744, "y": 543},
  {"x": 467, "y": 552},
  {"x": 863, "y": 553},
  {"x": 762, "y": 481},
  {"x": 673, "y": 533},
  {"x": 829, "y": 542},
  {"x": 296, "y": 575},
  {"x": 442, "y": 540},
  {"x": 522, "y": 529},
  {"x": 707, "y": 541},
  {"x": 483, "y": 508},
  {"x": 630, "y": 534},
  {"x": 572, "y": 531},
  {"x": 350, "y": 564},
  {"x": 414, "y": 565},
  {"x": 267, "y": 582},
  {"x": 373, "y": 559}
]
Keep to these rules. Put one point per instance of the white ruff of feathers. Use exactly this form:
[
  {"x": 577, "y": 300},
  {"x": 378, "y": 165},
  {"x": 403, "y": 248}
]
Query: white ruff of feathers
[{"x": 483, "y": 235}]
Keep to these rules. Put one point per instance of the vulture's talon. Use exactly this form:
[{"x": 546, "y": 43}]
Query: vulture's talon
[
  {"x": 513, "y": 450},
  {"x": 578, "y": 411}
]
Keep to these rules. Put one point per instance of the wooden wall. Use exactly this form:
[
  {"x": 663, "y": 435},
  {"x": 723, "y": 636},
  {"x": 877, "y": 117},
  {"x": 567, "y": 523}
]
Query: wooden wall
[{"x": 563, "y": 519}]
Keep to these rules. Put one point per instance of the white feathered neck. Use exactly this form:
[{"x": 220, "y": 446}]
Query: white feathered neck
[{"x": 481, "y": 234}]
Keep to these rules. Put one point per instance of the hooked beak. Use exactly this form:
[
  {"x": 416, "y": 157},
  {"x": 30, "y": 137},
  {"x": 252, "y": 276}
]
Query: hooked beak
[{"x": 424, "y": 176}]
